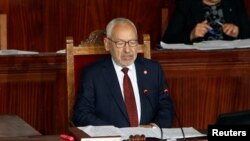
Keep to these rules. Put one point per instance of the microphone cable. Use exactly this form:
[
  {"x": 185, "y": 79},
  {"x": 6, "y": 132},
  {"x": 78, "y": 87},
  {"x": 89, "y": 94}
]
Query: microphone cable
[
  {"x": 161, "y": 131},
  {"x": 157, "y": 123},
  {"x": 159, "y": 126},
  {"x": 179, "y": 124},
  {"x": 175, "y": 114}
]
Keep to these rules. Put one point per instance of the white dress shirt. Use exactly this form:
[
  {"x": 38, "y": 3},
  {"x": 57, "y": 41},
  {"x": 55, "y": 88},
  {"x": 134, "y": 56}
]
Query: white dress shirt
[{"x": 133, "y": 78}]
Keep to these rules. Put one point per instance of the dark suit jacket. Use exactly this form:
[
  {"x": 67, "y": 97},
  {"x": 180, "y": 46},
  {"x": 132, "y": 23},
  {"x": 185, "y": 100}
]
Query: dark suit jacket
[
  {"x": 190, "y": 12},
  {"x": 100, "y": 102}
]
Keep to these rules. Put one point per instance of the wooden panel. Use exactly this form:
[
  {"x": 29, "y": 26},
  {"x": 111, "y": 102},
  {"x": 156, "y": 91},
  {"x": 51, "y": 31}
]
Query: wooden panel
[
  {"x": 42, "y": 25},
  {"x": 247, "y": 4},
  {"x": 32, "y": 87},
  {"x": 26, "y": 25},
  {"x": 204, "y": 84},
  {"x": 3, "y": 31},
  {"x": 3, "y": 6}
]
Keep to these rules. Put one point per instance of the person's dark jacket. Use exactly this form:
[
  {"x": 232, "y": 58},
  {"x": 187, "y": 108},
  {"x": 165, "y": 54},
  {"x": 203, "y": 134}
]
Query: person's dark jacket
[{"x": 190, "y": 12}]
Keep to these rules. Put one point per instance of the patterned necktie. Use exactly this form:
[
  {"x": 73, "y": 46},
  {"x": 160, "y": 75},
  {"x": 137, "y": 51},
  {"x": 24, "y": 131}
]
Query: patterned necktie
[{"x": 129, "y": 99}]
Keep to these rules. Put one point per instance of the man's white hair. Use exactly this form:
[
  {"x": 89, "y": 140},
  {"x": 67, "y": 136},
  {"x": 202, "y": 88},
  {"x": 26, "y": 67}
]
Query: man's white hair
[{"x": 112, "y": 23}]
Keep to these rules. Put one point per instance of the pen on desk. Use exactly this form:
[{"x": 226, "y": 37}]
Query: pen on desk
[{"x": 66, "y": 137}]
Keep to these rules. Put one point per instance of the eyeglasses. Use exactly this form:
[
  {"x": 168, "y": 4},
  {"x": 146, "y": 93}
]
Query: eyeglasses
[{"x": 121, "y": 44}]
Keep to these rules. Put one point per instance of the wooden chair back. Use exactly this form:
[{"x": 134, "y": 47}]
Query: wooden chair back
[
  {"x": 89, "y": 51},
  {"x": 3, "y": 31}
]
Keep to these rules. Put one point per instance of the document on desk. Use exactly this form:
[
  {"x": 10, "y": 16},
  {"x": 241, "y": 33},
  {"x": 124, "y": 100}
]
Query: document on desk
[
  {"x": 124, "y": 133},
  {"x": 97, "y": 131},
  {"x": 15, "y": 52},
  {"x": 176, "y": 46},
  {"x": 210, "y": 45},
  {"x": 101, "y": 133},
  {"x": 243, "y": 43},
  {"x": 214, "y": 45},
  {"x": 222, "y": 44}
]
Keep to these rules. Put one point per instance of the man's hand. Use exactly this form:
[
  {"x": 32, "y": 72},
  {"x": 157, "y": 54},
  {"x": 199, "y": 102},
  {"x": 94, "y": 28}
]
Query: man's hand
[{"x": 151, "y": 125}]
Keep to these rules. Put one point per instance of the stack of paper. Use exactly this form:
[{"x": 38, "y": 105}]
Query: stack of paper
[
  {"x": 210, "y": 45},
  {"x": 176, "y": 46},
  {"x": 14, "y": 52},
  {"x": 124, "y": 133}
]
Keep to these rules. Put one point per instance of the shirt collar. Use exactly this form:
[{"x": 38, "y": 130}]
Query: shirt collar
[{"x": 117, "y": 67}]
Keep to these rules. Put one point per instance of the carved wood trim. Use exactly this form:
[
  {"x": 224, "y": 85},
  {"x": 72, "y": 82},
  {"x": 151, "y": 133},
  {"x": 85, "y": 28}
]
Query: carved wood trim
[{"x": 3, "y": 31}]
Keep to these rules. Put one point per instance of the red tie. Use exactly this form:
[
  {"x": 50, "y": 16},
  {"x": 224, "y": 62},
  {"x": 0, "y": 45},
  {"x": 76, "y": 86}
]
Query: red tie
[{"x": 129, "y": 99}]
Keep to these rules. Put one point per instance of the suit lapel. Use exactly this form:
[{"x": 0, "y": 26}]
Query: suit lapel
[
  {"x": 113, "y": 84},
  {"x": 141, "y": 72}
]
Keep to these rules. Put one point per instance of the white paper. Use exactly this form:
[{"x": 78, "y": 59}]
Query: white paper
[
  {"x": 244, "y": 43},
  {"x": 61, "y": 51},
  {"x": 148, "y": 132},
  {"x": 210, "y": 45},
  {"x": 97, "y": 131},
  {"x": 176, "y": 46},
  {"x": 13, "y": 52},
  {"x": 168, "y": 133},
  {"x": 214, "y": 45},
  {"x": 102, "y": 139},
  {"x": 176, "y": 133},
  {"x": 221, "y": 44}
]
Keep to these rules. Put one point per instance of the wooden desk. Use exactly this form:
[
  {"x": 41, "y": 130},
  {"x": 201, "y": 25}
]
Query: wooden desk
[
  {"x": 33, "y": 138},
  {"x": 13, "y": 126},
  {"x": 33, "y": 87},
  {"x": 203, "y": 84}
]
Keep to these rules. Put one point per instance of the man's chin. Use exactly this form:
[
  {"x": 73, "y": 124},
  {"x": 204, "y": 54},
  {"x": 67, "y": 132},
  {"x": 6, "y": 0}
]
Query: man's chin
[{"x": 127, "y": 63}]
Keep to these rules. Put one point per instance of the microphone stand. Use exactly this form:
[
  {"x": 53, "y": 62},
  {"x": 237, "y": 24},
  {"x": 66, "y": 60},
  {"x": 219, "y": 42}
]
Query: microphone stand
[{"x": 178, "y": 120}]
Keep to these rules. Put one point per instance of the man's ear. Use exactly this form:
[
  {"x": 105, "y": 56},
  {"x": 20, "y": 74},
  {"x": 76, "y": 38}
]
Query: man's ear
[{"x": 105, "y": 40}]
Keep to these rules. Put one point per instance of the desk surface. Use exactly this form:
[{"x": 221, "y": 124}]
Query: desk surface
[
  {"x": 13, "y": 126},
  {"x": 33, "y": 138}
]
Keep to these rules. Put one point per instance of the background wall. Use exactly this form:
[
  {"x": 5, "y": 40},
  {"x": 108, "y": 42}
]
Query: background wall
[
  {"x": 247, "y": 4},
  {"x": 34, "y": 86},
  {"x": 41, "y": 25}
]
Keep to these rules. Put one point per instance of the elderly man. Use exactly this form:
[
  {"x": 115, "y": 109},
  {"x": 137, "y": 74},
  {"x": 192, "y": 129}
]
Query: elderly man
[{"x": 123, "y": 89}]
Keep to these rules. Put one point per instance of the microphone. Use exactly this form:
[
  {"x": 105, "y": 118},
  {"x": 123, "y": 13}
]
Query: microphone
[
  {"x": 145, "y": 91},
  {"x": 175, "y": 114},
  {"x": 165, "y": 91}
]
